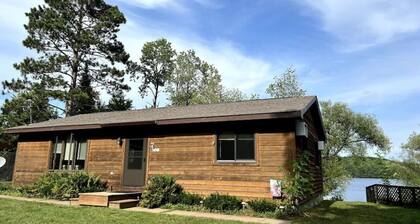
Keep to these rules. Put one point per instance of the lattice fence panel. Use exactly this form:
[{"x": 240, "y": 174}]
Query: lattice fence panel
[{"x": 394, "y": 195}]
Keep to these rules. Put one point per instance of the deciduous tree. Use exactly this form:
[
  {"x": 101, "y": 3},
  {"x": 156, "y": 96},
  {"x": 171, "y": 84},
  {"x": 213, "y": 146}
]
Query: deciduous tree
[
  {"x": 184, "y": 84},
  {"x": 348, "y": 133},
  {"x": 409, "y": 170},
  {"x": 285, "y": 85},
  {"x": 155, "y": 68}
]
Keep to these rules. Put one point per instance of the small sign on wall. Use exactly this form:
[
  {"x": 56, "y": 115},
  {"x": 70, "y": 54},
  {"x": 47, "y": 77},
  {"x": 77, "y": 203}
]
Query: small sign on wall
[
  {"x": 154, "y": 148},
  {"x": 275, "y": 188}
]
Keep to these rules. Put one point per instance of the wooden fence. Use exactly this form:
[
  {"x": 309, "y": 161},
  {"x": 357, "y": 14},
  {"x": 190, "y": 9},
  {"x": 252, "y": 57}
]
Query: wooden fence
[{"x": 394, "y": 195}]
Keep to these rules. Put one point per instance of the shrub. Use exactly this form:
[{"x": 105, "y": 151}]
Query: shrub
[
  {"x": 222, "y": 202},
  {"x": 159, "y": 191},
  {"x": 261, "y": 205},
  {"x": 5, "y": 187},
  {"x": 64, "y": 185},
  {"x": 189, "y": 199}
]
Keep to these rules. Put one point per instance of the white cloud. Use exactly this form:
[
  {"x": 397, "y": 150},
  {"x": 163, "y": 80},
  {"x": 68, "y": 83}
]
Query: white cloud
[
  {"x": 238, "y": 70},
  {"x": 379, "y": 91},
  {"x": 180, "y": 6},
  {"x": 152, "y": 4},
  {"x": 360, "y": 24}
]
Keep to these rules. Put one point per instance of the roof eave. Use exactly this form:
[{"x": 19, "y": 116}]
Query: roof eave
[
  {"x": 262, "y": 116},
  {"x": 51, "y": 129}
]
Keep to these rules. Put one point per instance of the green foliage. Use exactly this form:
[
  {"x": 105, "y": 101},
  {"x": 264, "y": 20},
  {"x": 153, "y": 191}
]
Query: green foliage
[
  {"x": 263, "y": 205},
  {"x": 118, "y": 102},
  {"x": 24, "y": 108},
  {"x": 409, "y": 170},
  {"x": 336, "y": 177},
  {"x": 285, "y": 85},
  {"x": 76, "y": 41},
  {"x": 64, "y": 185},
  {"x": 184, "y": 85},
  {"x": 348, "y": 133},
  {"x": 222, "y": 202},
  {"x": 87, "y": 97},
  {"x": 5, "y": 186},
  {"x": 189, "y": 199},
  {"x": 234, "y": 95},
  {"x": 368, "y": 167},
  {"x": 160, "y": 190},
  {"x": 155, "y": 68},
  {"x": 298, "y": 181}
]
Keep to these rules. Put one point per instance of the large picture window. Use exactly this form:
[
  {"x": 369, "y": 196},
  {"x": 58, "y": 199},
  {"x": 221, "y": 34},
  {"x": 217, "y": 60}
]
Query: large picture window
[
  {"x": 235, "y": 147},
  {"x": 69, "y": 154}
]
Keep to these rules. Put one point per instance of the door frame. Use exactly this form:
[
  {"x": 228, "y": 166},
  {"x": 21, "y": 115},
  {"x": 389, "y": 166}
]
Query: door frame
[{"x": 125, "y": 146}]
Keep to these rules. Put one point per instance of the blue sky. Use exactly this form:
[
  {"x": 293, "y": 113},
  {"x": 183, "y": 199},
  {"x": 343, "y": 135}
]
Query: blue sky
[{"x": 363, "y": 53}]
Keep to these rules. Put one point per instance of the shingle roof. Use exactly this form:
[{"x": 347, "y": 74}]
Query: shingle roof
[{"x": 293, "y": 107}]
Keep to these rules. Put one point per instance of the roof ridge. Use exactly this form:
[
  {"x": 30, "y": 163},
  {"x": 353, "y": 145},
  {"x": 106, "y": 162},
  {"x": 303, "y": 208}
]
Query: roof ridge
[{"x": 219, "y": 103}]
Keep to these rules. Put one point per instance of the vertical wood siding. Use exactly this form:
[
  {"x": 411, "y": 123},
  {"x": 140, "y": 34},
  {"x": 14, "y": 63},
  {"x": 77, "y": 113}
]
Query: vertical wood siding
[
  {"x": 191, "y": 159},
  {"x": 32, "y": 160}
]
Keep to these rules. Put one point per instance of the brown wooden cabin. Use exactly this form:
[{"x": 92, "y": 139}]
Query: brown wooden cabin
[{"x": 230, "y": 148}]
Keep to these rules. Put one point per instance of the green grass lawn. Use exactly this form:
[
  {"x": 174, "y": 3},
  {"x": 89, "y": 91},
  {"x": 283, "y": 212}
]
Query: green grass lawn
[
  {"x": 12, "y": 211},
  {"x": 358, "y": 212},
  {"x": 21, "y": 212}
]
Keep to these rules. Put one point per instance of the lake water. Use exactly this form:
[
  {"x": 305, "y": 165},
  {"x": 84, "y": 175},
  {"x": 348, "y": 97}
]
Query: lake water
[{"x": 356, "y": 188}]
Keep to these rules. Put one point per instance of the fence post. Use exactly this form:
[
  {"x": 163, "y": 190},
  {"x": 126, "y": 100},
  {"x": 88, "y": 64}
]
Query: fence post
[{"x": 387, "y": 194}]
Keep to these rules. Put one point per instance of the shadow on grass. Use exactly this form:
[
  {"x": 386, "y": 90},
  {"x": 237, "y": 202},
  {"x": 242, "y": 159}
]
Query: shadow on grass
[{"x": 358, "y": 212}]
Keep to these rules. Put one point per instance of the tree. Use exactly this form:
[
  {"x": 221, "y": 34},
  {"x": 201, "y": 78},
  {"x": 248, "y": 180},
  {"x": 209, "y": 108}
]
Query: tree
[
  {"x": 23, "y": 108},
  {"x": 235, "y": 95},
  {"x": 409, "y": 170},
  {"x": 118, "y": 102},
  {"x": 155, "y": 68},
  {"x": 87, "y": 97},
  {"x": 184, "y": 84},
  {"x": 74, "y": 39},
  {"x": 285, "y": 85},
  {"x": 210, "y": 85},
  {"x": 348, "y": 133}
]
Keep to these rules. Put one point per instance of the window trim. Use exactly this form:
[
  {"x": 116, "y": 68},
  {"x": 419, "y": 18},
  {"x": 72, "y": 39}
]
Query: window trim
[{"x": 247, "y": 161}]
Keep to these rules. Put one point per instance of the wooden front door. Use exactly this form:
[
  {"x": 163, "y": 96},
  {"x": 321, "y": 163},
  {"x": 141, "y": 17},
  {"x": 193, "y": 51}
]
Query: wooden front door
[{"x": 135, "y": 162}]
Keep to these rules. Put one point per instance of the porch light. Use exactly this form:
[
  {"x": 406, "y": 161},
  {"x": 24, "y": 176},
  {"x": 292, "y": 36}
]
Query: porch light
[{"x": 119, "y": 141}]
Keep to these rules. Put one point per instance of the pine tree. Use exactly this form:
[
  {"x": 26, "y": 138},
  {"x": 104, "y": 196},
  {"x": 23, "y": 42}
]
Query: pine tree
[{"x": 74, "y": 39}]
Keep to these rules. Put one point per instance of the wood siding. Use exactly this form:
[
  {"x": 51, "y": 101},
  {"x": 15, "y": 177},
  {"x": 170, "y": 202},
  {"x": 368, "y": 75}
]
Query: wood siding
[
  {"x": 32, "y": 159},
  {"x": 315, "y": 154},
  {"x": 106, "y": 159},
  {"x": 191, "y": 159}
]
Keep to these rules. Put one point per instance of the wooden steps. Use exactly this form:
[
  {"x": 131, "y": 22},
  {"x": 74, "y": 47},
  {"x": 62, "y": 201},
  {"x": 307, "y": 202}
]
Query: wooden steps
[
  {"x": 105, "y": 199},
  {"x": 126, "y": 203}
]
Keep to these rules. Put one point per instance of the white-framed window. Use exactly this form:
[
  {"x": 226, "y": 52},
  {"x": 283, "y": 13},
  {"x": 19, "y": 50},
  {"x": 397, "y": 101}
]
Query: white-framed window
[{"x": 235, "y": 147}]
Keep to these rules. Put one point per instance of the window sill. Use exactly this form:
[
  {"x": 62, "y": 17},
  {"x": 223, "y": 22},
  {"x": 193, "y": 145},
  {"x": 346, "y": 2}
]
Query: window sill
[{"x": 236, "y": 162}]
